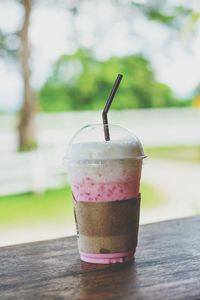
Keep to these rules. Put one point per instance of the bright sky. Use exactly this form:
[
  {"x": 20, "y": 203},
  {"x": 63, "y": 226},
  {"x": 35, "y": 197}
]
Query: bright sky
[{"x": 51, "y": 35}]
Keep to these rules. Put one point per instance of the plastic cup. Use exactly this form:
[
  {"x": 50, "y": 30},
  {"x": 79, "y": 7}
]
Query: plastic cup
[{"x": 105, "y": 182}]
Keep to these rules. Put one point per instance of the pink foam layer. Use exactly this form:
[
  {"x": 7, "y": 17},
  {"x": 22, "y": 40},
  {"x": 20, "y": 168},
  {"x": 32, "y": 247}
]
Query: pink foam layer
[
  {"x": 94, "y": 192},
  {"x": 111, "y": 258}
]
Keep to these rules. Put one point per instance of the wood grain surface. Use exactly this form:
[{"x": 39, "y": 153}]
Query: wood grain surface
[{"x": 167, "y": 266}]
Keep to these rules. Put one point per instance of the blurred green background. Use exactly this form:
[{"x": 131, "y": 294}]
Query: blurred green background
[
  {"x": 58, "y": 62},
  {"x": 90, "y": 85}
]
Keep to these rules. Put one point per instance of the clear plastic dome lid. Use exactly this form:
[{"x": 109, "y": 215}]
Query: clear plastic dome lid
[{"x": 89, "y": 144}]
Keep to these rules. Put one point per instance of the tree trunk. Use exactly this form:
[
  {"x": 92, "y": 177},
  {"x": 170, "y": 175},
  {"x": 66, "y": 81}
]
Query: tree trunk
[{"x": 27, "y": 124}]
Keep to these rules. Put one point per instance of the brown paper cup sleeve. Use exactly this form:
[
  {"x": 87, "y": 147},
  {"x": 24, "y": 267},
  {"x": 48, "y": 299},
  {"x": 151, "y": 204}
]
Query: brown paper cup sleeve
[{"x": 107, "y": 227}]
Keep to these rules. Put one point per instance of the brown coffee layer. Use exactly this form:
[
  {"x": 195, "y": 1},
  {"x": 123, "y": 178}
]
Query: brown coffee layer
[
  {"x": 107, "y": 227},
  {"x": 100, "y": 219},
  {"x": 107, "y": 244}
]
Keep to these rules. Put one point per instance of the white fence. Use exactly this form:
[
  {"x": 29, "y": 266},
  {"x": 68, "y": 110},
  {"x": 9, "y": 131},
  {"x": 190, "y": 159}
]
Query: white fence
[
  {"x": 31, "y": 171},
  {"x": 42, "y": 169},
  {"x": 167, "y": 126}
]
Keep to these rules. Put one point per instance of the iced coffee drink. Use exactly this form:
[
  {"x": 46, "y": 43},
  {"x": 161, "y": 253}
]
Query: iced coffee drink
[{"x": 105, "y": 182}]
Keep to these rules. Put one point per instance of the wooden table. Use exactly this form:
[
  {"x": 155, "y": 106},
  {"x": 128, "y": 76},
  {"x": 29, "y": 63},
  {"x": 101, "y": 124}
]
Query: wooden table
[{"x": 167, "y": 266}]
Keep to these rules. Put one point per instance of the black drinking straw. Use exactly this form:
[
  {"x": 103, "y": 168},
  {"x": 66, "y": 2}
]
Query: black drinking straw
[{"x": 107, "y": 106}]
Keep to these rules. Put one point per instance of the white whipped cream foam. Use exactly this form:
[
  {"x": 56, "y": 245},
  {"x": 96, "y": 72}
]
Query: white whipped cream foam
[{"x": 121, "y": 149}]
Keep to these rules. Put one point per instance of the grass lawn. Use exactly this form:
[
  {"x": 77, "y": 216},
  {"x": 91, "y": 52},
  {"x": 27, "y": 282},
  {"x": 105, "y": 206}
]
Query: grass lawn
[
  {"x": 34, "y": 208},
  {"x": 184, "y": 153},
  {"x": 54, "y": 205},
  {"x": 150, "y": 196}
]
